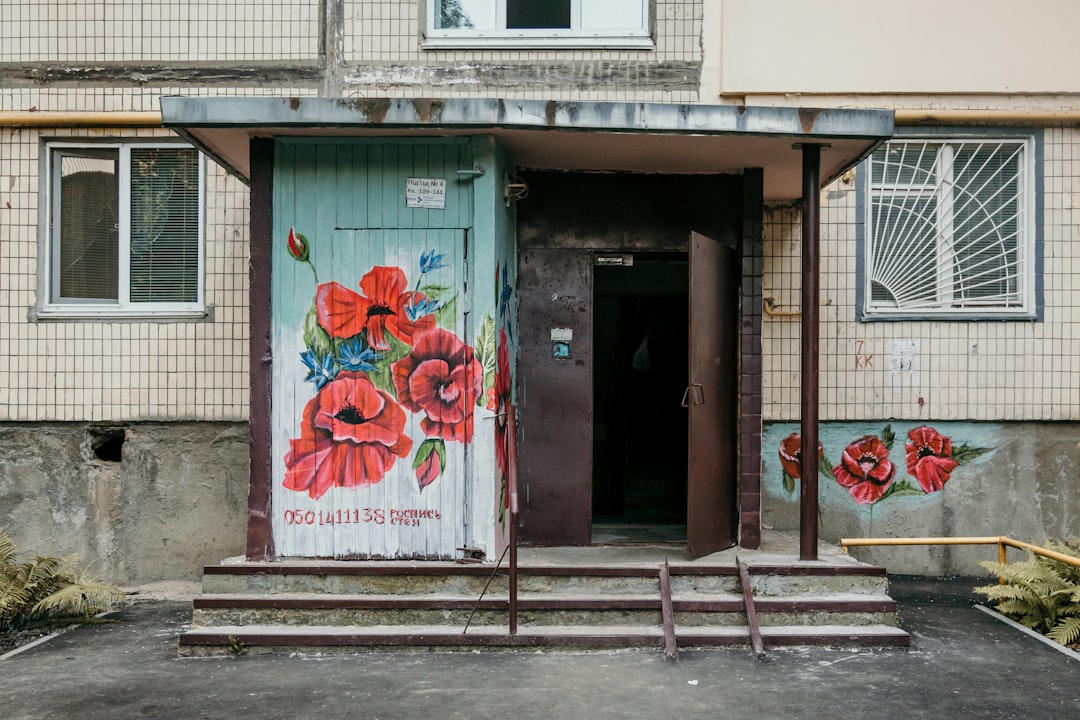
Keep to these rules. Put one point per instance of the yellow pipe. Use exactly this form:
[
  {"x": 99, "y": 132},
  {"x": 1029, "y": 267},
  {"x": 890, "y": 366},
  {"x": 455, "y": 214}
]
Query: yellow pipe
[
  {"x": 49, "y": 118},
  {"x": 913, "y": 116},
  {"x": 1001, "y": 541},
  {"x": 770, "y": 309}
]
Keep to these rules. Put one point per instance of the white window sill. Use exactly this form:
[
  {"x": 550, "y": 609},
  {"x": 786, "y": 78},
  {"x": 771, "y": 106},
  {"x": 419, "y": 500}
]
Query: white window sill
[
  {"x": 517, "y": 42},
  {"x": 106, "y": 313}
]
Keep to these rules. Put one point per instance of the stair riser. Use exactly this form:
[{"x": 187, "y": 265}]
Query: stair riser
[
  {"x": 358, "y": 617},
  {"x": 707, "y": 619},
  {"x": 465, "y": 585},
  {"x": 473, "y": 585},
  {"x": 785, "y": 585}
]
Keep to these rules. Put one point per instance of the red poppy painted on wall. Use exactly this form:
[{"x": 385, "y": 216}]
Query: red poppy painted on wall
[
  {"x": 350, "y": 435},
  {"x": 791, "y": 459},
  {"x": 929, "y": 458},
  {"x": 441, "y": 378},
  {"x": 865, "y": 469}
]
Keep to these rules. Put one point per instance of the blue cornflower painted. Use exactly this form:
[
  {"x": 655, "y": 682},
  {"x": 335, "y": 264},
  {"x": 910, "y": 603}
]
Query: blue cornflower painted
[
  {"x": 429, "y": 261},
  {"x": 415, "y": 309},
  {"x": 356, "y": 357},
  {"x": 321, "y": 371}
]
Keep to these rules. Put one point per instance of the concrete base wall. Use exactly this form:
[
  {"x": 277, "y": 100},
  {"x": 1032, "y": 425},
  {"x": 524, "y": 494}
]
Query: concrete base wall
[
  {"x": 1016, "y": 479},
  {"x": 138, "y": 502}
]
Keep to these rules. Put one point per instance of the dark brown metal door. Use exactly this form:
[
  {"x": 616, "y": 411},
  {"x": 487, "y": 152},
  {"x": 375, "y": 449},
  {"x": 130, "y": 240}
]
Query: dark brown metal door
[{"x": 711, "y": 398}]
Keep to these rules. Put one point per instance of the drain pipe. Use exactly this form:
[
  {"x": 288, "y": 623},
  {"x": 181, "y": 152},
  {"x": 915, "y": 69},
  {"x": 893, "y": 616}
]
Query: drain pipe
[
  {"x": 808, "y": 430},
  {"x": 53, "y": 119}
]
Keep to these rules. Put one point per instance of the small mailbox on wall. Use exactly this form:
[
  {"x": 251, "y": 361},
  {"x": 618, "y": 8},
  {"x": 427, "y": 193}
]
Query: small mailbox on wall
[{"x": 562, "y": 340}]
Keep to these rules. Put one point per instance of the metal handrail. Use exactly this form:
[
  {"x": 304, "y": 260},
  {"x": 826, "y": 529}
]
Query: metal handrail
[
  {"x": 1003, "y": 542},
  {"x": 512, "y": 483}
]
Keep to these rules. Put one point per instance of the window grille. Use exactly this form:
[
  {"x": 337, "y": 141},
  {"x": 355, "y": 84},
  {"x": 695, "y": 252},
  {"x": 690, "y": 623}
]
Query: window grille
[{"x": 949, "y": 228}]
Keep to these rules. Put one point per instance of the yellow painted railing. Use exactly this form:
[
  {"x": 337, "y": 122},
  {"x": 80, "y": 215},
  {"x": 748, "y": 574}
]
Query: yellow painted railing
[{"x": 1002, "y": 542}]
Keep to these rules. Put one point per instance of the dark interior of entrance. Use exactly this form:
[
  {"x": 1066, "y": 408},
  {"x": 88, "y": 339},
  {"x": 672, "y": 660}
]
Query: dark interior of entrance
[{"x": 640, "y": 334}]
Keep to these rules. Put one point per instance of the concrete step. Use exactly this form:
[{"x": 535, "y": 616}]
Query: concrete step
[
  {"x": 533, "y": 609},
  {"x": 285, "y": 638},
  {"x": 420, "y": 578}
]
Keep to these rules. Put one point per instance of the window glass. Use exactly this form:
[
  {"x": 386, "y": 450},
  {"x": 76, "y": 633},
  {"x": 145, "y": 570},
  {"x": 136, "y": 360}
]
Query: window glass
[
  {"x": 538, "y": 14},
  {"x": 89, "y": 225},
  {"x": 126, "y": 230}
]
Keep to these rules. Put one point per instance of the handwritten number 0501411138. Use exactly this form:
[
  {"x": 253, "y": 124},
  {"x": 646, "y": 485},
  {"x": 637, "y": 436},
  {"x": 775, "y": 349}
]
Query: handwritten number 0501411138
[{"x": 349, "y": 516}]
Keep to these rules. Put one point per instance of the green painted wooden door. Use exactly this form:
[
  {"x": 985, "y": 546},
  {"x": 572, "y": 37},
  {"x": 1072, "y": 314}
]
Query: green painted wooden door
[{"x": 374, "y": 420}]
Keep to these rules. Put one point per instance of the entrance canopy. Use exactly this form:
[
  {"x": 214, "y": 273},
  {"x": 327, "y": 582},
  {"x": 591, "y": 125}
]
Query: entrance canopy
[{"x": 556, "y": 135}]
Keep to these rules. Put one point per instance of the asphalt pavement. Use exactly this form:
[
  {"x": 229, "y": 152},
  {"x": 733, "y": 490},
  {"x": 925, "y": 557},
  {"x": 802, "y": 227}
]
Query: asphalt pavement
[{"x": 962, "y": 664}]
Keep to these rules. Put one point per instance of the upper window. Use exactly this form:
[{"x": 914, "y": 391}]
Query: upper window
[
  {"x": 538, "y": 23},
  {"x": 125, "y": 230},
  {"x": 950, "y": 229}
]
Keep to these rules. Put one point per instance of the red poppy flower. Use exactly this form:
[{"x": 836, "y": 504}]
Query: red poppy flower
[
  {"x": 791, "y": 455},
  {"x": 501, "y": 397},
  {"x": 865, "y": 470},
  {"x": 442, "y": 378},
  {"x": 350, "y": 436},
  {"x": 381, "y": 309},
  {"x": 929, "y": 458}
]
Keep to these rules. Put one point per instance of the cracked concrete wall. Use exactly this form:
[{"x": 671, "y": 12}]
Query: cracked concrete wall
[{"x": 175, "y": 501}]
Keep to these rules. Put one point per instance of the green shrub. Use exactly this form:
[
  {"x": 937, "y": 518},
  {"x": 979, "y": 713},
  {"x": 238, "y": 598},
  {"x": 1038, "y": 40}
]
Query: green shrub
[
  {"x": 1041, "y": 593},
  {"x": 47, "y": 590}
]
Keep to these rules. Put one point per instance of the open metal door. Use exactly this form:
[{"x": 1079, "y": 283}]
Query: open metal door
[{"x": 711, "y": 398}]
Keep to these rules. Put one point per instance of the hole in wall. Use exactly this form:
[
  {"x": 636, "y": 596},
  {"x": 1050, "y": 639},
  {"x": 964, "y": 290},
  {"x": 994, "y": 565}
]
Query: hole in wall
[{"x": 108, "y": 443}]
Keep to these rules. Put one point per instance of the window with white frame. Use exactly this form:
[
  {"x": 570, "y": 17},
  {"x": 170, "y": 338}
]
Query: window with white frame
[
  {"x": 538, "y": 23},
  {"x": 950, "y": 228},
  {"x": 125, "y": 230}
]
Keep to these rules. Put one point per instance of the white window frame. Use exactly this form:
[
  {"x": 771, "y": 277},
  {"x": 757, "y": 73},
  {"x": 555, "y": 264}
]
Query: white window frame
[
  {"x": 639, "y": 38},
  {"x": 123, "y": 307},
  {"x": 1026, "y": 246}
]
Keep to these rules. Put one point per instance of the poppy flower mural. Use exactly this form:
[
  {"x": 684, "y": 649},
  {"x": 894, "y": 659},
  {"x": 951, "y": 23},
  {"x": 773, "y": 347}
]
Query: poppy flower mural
[
  {"x": 929, "y": 458},
  {"x": 376, "y": 356},
  {"x": 868, "y": 473},
  {"x": 865, "y": 469},
  {"x": 350, "y": 435},
  {"x": 791, "y": 459}
]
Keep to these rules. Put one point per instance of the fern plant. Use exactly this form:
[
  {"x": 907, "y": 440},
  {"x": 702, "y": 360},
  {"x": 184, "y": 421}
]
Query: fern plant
[
  {"x": 1040, "y": 593},
  {"x": 47, "y": 590}
]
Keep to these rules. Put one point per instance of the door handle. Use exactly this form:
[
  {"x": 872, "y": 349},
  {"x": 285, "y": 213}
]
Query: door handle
[{"x": 699, "y": 395}]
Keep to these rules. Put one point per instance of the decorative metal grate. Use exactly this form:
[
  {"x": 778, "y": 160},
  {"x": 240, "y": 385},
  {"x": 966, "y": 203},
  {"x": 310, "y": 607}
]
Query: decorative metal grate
[{"x": 948, "y": 227}]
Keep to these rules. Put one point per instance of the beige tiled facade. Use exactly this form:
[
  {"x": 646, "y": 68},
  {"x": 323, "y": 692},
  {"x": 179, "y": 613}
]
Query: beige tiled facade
[
  {"x": 134, "y": 31},
  {"x": 963, "y": 370},
  {"x": 109, "y": 370}
]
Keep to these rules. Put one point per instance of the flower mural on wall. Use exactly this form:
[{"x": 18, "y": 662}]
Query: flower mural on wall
[
  {"x": 865, "y": 469},
  {"x": 868, "y": 473},
  {"x": 374, "y": 356},
  {"x": 442, "y": 379},
  {"x": 350, "y": 435},
  {"x": 929, "y": 458},
  {"x": 791, "y": 459}
]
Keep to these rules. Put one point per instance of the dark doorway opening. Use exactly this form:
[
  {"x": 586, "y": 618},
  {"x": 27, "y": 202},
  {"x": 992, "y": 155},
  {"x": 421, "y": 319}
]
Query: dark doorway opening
[{"x": 640, "y": 344}]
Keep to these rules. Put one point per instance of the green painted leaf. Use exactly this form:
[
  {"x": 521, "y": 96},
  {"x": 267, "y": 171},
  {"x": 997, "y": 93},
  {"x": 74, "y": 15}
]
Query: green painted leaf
[
  {"x": 382, "y": 375},
  {"x": 966, "y": 453},
  {"x": 789, "y": 483},
  {"x": 435, "y": 292},
  {"x": 431, "y": 445},
  {"x": 446, "y": 315},
  {"x": 487, "y": 354},
  {"x": 824, "y": 466},
  {"x": 888, "y": 436},
  {"x": 902, "y": 488},
  {"x": 315, "y": 337}
]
